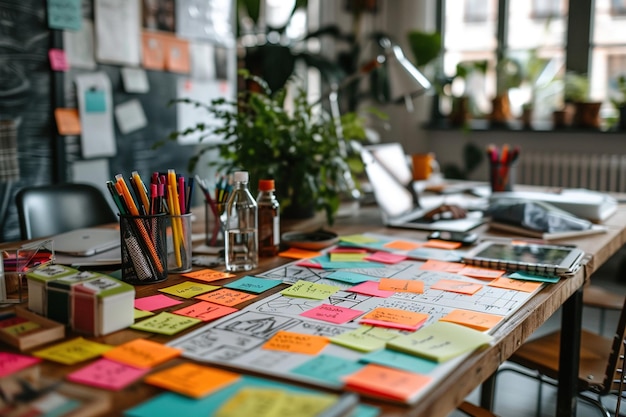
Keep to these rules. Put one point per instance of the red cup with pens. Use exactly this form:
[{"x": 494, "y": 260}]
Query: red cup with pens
[{"x": 502, "y": 167}]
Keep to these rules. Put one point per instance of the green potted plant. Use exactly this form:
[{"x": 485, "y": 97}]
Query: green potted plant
[
  {"x": 576, "y": 91},
  {"x": 298, "y": 146}
]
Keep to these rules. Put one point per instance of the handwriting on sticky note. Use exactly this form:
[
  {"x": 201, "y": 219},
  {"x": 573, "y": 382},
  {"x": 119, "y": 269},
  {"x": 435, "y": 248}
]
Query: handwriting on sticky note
[
  {"x": 371, "y": 288},
  {"x": 366, "y": 338},
  {"x": 107, "y": 374},
  {"x": 253, "y": 284},
  {"x": 208, "y": 275},
  {"x": 474, "y": 319},
  {"x": 332, "y": 314},
  {"x": 393, "y": 317},
  {"x": 394, "y": 383},
  {"x": 515, "y": 284},
  {"x": 453, "y": 285},
  {"x": 296, "y": 342},
  {"x": 403, "y": 245},
  {"x": 13, "y": 362},
  {"x": 166, "y": 323},
  {"x": 305, "y": 289},
  {"x": 21, "y": 328},
  {"x": 188, "y": 289},
  {"x": 226, "y": 297},
  {"x": 484, "y": 273},
  {"x": 385, "y": 257},
  {"x": 205, "y": 311},
  {"x": 73, "y": 351},
  {"x": 192, "y": 379},
  {"x": 142, "y": 353},
  {"x": 401, "y": 285}
]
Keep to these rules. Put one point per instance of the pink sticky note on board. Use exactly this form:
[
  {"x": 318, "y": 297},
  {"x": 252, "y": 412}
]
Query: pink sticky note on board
[
  {"x": 155, "y": 302},
  {"x": 386, "y": 257},
  {"x": 107, "y": 374},
  {"x": 371, "y": 288},
  {"x": 13, "y": 362},
  {"x": 332, "y": 314},
  {"x": 58, "y": 60}
]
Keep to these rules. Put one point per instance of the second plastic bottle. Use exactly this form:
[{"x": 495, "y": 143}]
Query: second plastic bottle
[{"x": 241, "y": 227}]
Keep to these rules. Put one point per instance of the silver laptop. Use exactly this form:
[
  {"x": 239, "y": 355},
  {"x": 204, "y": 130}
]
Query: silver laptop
[
  {"x": 392, "y": 183},
  {"x": 86, "y": 241}
]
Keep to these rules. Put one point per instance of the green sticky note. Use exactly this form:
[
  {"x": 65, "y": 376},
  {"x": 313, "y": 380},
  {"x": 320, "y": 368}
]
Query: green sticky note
[
  {"x": 73, "y": 351},
  {"x": 65, "y": 14},
  {"x": 166, "y": 323},
  {"x": 530, "y": 277},
  {"x": 395, "y": 359},
  {"x": 95, "y": 101},
  {"x": 328, "y": 368},
  {"x": 366, "y": 338},
  {"x": 305, "y": 289},
  {"x": 188, "y": 289}
]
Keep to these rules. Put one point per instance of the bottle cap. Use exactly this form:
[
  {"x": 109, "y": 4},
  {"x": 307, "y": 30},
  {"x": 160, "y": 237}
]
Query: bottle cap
[
  {"x": 240, "y": 176},
  {"x": 266, "y": 185}
]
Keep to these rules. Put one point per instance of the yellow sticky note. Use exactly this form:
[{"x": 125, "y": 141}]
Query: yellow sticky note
[
  {"x": 188, "y": 289},
  {"x": 296, "y": 342},
  {"x": 515, "y": 284},
  {"x": 474, "y": 319},
  {"x": 401, "y": 285},
  {"x": 366, "y": 338},
  {"x": 192, "y": 380},
  {"x": 226, "y": 297},
  {"x": 166, "y": 323},
  {"x": 73, "y": 351},
  {"x": 208, "y": 275},
  {"x": 258, "y": 402},
  {"x": 457, "y": 286},
  {"x": 21, "y": 328},
  {"x": 358, "y": 239},
  {"x": 142, "y": 353},
  {"x": 305, "y": 289},
  {"x": 139, "y": 314},
  {"x": 347, "y": 257}
]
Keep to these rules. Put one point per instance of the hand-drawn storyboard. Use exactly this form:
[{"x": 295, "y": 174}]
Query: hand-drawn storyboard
[{"x": 238, "y": 339}]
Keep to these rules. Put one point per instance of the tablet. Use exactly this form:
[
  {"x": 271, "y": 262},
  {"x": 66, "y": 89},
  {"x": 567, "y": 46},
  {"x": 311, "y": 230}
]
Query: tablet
[
  {"x": 534, "y": 258},
  {"x": 86, "y": 241}
]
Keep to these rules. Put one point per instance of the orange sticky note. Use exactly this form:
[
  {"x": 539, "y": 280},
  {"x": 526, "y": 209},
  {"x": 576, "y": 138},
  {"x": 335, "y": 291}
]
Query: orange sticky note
[
  {"x": 296, "y": 253},
  {"x": 401, "y": 285},
  {"x": 142, "y": 353},
  {"x": 296, "y": 342},
  {"x": 482, "y": 273},
  {"x": 515, "y": 284},
  {"x": 395, "y": 318},
  {"x": 435, "y": 265},
  {"x": 388, "y": 382},
  {"x": 68, "y": 121},
  {"x": 192, "y": 380},
  {"x": 226, "y": 297},
  {"x": 403, "y": 245},
  {"x": 442, "y": 244},
  {"x": 474, "y": 319},
  {"x": 205, "y": 311},
  {"x": 153, "y": 51},
  {"x": 208, "y": 275},
  {"x": 452, "y": 285},
  {"x": 177, "y": 55}
]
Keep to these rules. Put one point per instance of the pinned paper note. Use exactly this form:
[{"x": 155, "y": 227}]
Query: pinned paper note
[
  {"x": 58, "y": 60},
  {"x": 188, "y": 289},
  {"x": 192, "y": 380},
  {"x": 95, "y": 101},
  {"x": 73, "y": 351},
  {"x": 208, "y": 275},
  {"x": 253, "y": 284},
  {"x": 366, "y": 338},
  {"x": 205, "y": 311},
  {"x": 332, "y": 314},
  {"x": 135, "y": 80},
  {"x": 474, "y": 319},
  {"x": 142, "y": 353},
  {"x": 395, "y": 318},
  {"x": 515, "y": 284},
  {"x": 452, "y": 285},
  {"x": 130, "y": 116},
  {"x": 64, "y": 14},
  {"x": 327, "y": 368},
  {"x": 153, "y": 50},
  {"x": 226, "y": 297},
  {"x": 67, "y": 120},
  {"x": 296, "y": 342},
  {"x": 305, "y": 289},
  {"x": 177, "y": 55},
  {"x": 401, "y": 285},
  {"x": 166, "y": 323},
  {"x": 155, "y": 302},
  {"x": 107, "y": 374},
  {"x": 13, "y": 362},
  {"x": 387, "y": 382}
]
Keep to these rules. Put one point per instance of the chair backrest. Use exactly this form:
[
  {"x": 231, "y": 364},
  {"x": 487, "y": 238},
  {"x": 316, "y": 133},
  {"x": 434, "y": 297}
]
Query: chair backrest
[
  {"x": 46, "y": 210},
  {"x": 613, "y": 372}
]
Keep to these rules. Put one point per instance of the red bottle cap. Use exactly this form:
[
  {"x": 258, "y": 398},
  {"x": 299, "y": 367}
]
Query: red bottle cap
[{"x": 266, "y": 185}]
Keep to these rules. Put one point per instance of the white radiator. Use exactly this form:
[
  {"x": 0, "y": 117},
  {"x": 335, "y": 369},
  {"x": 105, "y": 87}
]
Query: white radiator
[{"x": 599, "y": 172}]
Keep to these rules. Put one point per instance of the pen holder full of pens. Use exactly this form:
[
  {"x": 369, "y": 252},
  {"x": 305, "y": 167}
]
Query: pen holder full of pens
[
  {"x": 144, "y": 248},
  {"x": 214, "y": 224},
  {"x": 179, "y": 243},
  {"x": 501, "y": 176}
]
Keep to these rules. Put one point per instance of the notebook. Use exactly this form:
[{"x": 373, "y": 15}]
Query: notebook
[
  {"x": 86, "y": 241},
  {"x": 392, "y": 183}
]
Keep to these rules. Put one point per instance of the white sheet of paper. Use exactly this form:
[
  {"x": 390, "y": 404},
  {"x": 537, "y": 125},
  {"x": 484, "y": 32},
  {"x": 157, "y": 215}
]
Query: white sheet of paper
[
  {"x": 79, "y": 46},
  {"x": 98, "y": 137},
  {"x": 188, "y": 115},
  {"x": 118, "y": 37},
  {"x": 135, "y": 80},
  {"x": 130, "y": 116},
  {"x": 205, "y": 20},
  {"x": 202, "y": 61}
]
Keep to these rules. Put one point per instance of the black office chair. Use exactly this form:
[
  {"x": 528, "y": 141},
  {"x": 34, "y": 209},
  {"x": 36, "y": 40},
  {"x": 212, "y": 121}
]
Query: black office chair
[{"x": 46, "y": 210}]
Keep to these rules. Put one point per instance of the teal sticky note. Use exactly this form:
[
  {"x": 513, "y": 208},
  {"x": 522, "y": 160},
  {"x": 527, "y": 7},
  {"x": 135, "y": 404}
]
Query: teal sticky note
[
  {"x": 253, "y": 284},
  {"x": 327, "y": 368},
  {"x": 530, "y": 277},
  {"x": 394, "y": 359},
  {"x": 64, "y": 14},
  {"x": 350, "y": 277},
  {"x": 325, "y": 262},
  {"x": 95, "y": 101}
]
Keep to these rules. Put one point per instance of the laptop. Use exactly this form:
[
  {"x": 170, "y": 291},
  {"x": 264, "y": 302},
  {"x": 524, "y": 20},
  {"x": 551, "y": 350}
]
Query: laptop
[
  {"x": 395, "y": 192},
  {"x": 86, "y": 241}
]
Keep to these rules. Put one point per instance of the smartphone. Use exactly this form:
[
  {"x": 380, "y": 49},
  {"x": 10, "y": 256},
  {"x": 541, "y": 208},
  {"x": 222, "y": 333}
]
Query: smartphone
[{"x": 465, "y": 238}]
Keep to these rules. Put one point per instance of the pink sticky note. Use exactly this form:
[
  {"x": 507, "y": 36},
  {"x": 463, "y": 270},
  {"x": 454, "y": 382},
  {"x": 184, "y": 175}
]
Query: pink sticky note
[
  {"x": 385, "y": 257},
  {"x": 107, "y": 374},
  {"x": 13, "y": 362},
  {"x": 307, "y": 263},
  {"x": 58, "y": 60},
  {"x": 370, "y": 288},
  {"x": 155, "y": 302},
  {"x": 333, "y": 314},
  {"x": 205, "y": 311}
]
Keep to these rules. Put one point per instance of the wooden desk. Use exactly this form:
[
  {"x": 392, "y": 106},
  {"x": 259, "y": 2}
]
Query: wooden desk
[{"x": 471, "y": 373}]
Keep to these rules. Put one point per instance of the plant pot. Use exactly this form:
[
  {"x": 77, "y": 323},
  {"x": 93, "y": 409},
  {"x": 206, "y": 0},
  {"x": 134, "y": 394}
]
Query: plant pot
[
  {"x": 560, "y": 119},
  {"x": 459, "y": 116},
  {"x": 587, "y": 114},
  {"x": 622, "y": 118},
  {"x": 527, "y": 118},
  {"x": 500, "y": 109}
]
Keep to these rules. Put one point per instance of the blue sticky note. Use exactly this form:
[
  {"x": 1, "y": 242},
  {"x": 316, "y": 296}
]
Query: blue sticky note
[
  {"x": 530, "y": 277},
  {"x": 347, "y": 276},
  {"x": 399, "y": 360},
  {"x": 95, "y": 101},
  {"x": 65, "y": 14},
  {"x": 327, "y": 368},
  {"x": 253, "y": 284},
  {"x": 325, "y": 262}
]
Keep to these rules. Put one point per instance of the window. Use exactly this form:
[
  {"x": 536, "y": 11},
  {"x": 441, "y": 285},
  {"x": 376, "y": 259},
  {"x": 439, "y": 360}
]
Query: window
[
  {"x": 476, "y": 11},
  {"x": 618, "y": 7},
  {"x": 547, "y": 8}
]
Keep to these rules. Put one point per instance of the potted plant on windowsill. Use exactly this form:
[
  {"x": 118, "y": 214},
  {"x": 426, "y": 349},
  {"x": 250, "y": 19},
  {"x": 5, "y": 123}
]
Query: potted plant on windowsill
[
  {"x": 586, "y": 111},
  {"x": 619, "y": 101},
  {"x": 298, "y": 146}
]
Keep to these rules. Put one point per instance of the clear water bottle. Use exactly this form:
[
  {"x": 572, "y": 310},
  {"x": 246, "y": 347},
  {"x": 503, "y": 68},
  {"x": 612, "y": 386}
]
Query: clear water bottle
[
  {"x": 269, "y": 219},
  {"x": 241, "y": 227}
]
